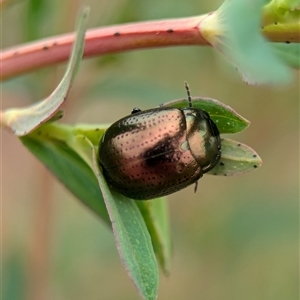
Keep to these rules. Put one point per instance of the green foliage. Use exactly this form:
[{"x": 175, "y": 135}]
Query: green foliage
[
  {"x": 282, "y": 11},
  {"x": 132, "y": 238},
  {"x": 69, "y": 152},
  {"x": 66, "y": 151},
  {"x": 235, "y": 30},
  {"x": 70, "y": 169},
  {"x": 227, "y": 120},
  {"x": 155, "y": 214},
  {"x": 236, "y": 159}
]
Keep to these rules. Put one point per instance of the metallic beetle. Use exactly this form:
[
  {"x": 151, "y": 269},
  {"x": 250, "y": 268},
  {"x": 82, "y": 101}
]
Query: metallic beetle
[{"x": 159, "y": 151}]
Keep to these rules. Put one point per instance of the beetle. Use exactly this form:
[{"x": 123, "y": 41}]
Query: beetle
[{"x": 159, "y": 151}]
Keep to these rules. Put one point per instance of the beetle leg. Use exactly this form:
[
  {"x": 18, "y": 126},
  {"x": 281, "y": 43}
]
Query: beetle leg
[{"x": 196, "y": 187}]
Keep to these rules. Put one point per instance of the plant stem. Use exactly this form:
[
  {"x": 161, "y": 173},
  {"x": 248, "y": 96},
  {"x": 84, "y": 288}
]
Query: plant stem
[
  {"x": 100, "y": 41},
  {"x": 119, "y": 38}
]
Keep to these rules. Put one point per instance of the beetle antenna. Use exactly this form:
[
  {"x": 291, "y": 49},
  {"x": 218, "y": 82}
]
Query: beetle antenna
[{"x": 188, "y": 93}]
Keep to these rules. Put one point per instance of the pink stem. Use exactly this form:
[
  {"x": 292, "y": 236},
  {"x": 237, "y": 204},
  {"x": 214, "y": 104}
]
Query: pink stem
[{"x": 101, "y": 41}]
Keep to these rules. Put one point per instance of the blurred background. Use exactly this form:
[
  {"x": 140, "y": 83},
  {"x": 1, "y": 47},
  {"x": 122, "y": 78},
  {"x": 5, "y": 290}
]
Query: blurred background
[{"x": 236, "y": 238}]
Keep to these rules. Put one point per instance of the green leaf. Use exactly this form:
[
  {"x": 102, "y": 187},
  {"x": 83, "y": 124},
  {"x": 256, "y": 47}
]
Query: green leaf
[
  {"x": 156, "y": 217},
  {"x": 236, "y": 159},
  {"x": 235, "y": 30},
  {"x": 93, "y": 132},
  {"x": 132, "y": 237},
  {"x": 226, "y": 119},
  {"x": 69, "y": 168},
  {"x": 24, "y": 120},
  {"x": 281, "y": 11}
]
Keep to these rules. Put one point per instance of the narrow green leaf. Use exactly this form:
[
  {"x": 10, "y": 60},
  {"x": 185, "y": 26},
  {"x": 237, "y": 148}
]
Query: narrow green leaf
[
  {"x": 156, "y": 217},
  {"x": 132, "y": 237},
  {"x": 70, "y": 169},
  {"x": 24, "y": 120},
  {"x": 226, "y": 119},
  {"x": 236, "y": 159}
]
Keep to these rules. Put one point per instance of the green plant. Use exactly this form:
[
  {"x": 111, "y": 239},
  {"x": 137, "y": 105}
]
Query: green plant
[{"x": 72, "y": 149}]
